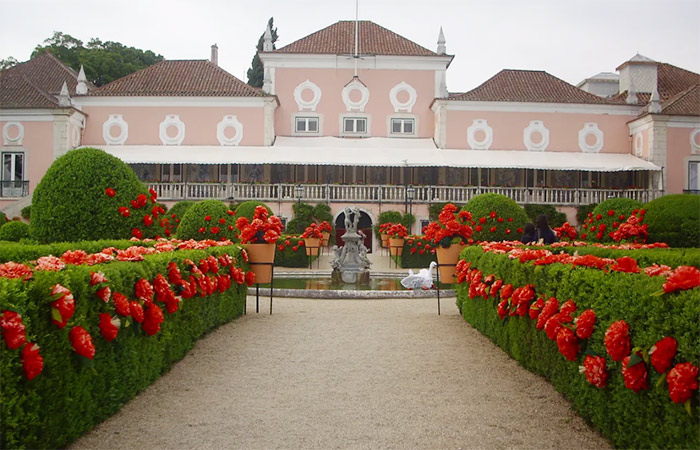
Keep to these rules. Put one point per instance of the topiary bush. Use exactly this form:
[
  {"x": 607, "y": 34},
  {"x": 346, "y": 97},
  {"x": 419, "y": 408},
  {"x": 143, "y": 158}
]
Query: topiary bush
[
  {"x": 247, "y": 208},
  {"x": 674, "y": 219},
  {"x": 88, "y": 194},
  {"x": 14, "y": 231},
  {"x": 555, "y": 218},
  {"x": 208, "y": 219},
  {"x": 609, "y": 214},
  {"x": 495, "y": 218},
  {"x": 26, "y": 212},
  {"x": 3, "y": 218},
  {"x": 582, "y": 212},
  {"x": 177, "y": 212}
]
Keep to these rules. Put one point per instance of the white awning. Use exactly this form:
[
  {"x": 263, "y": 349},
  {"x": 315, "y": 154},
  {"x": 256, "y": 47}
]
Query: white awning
[{"x": 374, "y": 152}]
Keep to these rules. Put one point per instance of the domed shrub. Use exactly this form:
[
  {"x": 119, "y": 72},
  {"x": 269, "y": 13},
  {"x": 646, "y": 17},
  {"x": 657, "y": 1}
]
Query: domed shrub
[
  {"x": 26, "y": 212},
  {"x": 246, "y": 209},
  {"x": 88, "y": 194},
  {"x": 14, "y": 231},
  {"x": 554, "y": 217},
  {"x": 495, "y": 218},
  {"x": 177, "y": 212},
  {"x": 3, "y": 219},
  {"x": 208, "y": 219},
  {"x": 606, "y": 218},
  {"x": 674, "y": 219}
]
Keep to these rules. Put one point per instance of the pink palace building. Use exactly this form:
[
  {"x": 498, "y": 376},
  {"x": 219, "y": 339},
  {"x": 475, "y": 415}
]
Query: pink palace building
[{"x": 370, "y": 124}]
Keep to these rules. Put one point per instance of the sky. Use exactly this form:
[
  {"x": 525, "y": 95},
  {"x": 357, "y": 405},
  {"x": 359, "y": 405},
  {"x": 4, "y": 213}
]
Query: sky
[{"x": 570, "y": 39}]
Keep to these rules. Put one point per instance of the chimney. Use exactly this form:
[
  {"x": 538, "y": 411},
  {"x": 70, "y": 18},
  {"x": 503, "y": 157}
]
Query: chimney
[
  {"x": 267, "y": 39},
  {"x": 441, "y": 49},
  {"x": 655, "y": 103},
  {"x": 214, "y": 55},
  {"x": 81, "y": 88}
]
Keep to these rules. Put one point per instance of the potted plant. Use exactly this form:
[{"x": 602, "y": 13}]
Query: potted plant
[
  {"x": 260, "y": 236},
  {"x": 312, "y": 239},
  {"x": 396, "y": 234},
  {"x": 325, "y": 229},
  {"x": 383, "y": 233},
  {"x": 449, "y": 235}
]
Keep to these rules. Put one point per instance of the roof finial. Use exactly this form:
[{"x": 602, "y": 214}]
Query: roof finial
[
  {"x": 64, "y": 96},
  {"x": 81, "y": 88},
  {"x": 655, "y": 103},
  {"x": 441, "y": 49},
  {"x": 267, "y": 39}
]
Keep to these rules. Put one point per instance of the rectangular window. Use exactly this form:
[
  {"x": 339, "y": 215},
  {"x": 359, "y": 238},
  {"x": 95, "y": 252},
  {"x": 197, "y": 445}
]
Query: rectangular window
[
  {"x": 694, "y": 175},
  {"x": 306, "y": 125},
  {"x": 13, "y": 184},
  {"x": 402, "y": 126},
  {"x": 355, "y": 125}
]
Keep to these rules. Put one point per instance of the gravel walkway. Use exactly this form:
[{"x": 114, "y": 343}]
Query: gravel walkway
[{"x": 357, "y": 374}]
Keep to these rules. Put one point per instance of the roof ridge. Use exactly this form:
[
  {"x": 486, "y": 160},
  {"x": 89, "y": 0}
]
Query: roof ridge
[
  {"x": 679, "y": 96},
  {"x": 41, "y": 91}
]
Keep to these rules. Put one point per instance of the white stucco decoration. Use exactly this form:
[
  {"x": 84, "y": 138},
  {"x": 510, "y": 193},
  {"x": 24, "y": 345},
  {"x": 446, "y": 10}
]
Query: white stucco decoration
[
  {"x": 172, "y": 120},
  {"x": 12, "y": 133},
  {"x": 590, "y": 128},
  {"x": 536, "y": 126},
  {"x": 694, "y": 138},
  {"x": 115, "y": 120},
  {"x": 298, "y": 96},
  {"x": 355, "y": 85},
  {"x": 229, "y": 121},
  {"x": 638, "y": 144},
  {"x": 485, "y": 143},
  {"x": 406, "y": 106},
  {"x": 75, "y": 136}
]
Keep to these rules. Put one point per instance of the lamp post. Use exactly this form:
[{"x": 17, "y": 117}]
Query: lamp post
[
  {"x": 410, "y": 195},
  {"x": 299, "y": 191}
]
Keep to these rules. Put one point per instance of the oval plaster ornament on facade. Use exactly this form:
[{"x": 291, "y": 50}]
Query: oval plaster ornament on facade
[
  {"x": 536, "y": 126},
  {"x": 590, "y": 129},
  {"x": 115, "y": 120},
  {"x": 12, "y": 133},
  {"x": 406, "y": 106},
  {"x": 695, "y": 141},
  {"x": 172, "y": 120},
  {"x": 307, "y": 105},
  {"x": 480, "y": 125},
  {"x": 638, "y": 144},
  {"x": 226, "y": 122},
  {"x": 359, "y": 105}
]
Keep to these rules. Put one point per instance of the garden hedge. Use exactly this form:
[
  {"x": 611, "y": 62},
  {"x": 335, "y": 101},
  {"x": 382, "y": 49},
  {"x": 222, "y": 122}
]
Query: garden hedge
[
  {"x": 554, "y": 217},
  {"x": 496, "y": 217},
  {"x": 73, "y": 393},
  {"x": 621, "y": 209},
  {"x": 177, "y": 212},
  {"x": 14, "y": 231},
  {"x": 208, "y": 219},
  {"x": 287, "y": 256},
  {"x": 21, "y": 252},
  {"x": 674, "y": 219},
  {"x": 672, "y": 257},
  {"x": 648, "y": 419},
  {"x": 417, "y": 253},
  {"x": 247, "y": 209}
]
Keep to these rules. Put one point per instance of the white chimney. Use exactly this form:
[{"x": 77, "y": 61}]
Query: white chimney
[
  {"x": 639, "y": 74},
  {"x": 214, "y": 54},
  {"x": 655, "y": 103},
  {"x": 81, "y": 88}
]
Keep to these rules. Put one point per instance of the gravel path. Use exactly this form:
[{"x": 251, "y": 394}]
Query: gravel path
[{"x": 358, "y": 374}]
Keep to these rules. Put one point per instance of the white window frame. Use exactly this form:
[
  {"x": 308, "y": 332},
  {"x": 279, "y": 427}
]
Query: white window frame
[
  {"x": 404, "y": 120},
  {"x": 306, "y": 121},
  {"x": 307, "y": 115},
  {"x": 356, "y": 118},
  {"x": 12, "y": 165},
  {"x": 690, "y": 162}
]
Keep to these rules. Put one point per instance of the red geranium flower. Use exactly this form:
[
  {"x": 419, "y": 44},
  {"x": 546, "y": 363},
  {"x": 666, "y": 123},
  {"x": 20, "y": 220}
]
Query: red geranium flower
[
  {"x": 202, "y": 230},
  {"x": 136, "y": 311},
  {"x": 626, "y": 264},
  {"x": 207, "y": 218},
  {"x": 104, "y": 294},
  {"x": 215, "y": 230},
  {"x": 63, "y": 308},
  {"x": 109, "y": 326},
  {"x": 12, "y": 329},
  {"x": 506, "y": 291},
  {"x": 147, "y": 220},
  {"x": 230, "y": 213},
  {"x": 15, "y": 270},
  {"x": 536, "y": 308},
  {"x": 153, "y": 317},
  {"x": 553, "y": 326},
  {"x": 121, "y": 304},
  {"x": 32, "y": 362},
  {"x": 495, "y": 287},
  {"x": 492, "y": 230},
  {"x": 617, "y": 341},
  {"x": 635, "y": 376},
  {"x": 143, "y": 290},
  {"x": 682, "y": 381},
  {"x": 567, "y": 344},
  {"x": 662, "y": 354},
  {"x": 478, "y": 228},
  {"x": 81, "y": 341},
  {"x": 222, "y": 221},
  {"x": 135, "y": 232},
  {"x": 492, "y": 214},
  {"x": 110, "y": 192},
  {"x": 550, "y": 308},
  {"x": 611, "y": 212},
  {"x": 684, "y": 277},
  {"x": 482, "y": 220},
  {"x": 503, "y": 309},
  {"x": 250, "y": 278},
  {"x": 585, "y": 323},
  {"x": 594, "y": 367}
]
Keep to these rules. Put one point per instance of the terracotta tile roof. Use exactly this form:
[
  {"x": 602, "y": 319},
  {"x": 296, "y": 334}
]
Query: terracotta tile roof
[
  {"x": 670, "y": 80},
  {"x": 529, "y": 86},
  {"x": 685, "y": 103},
  {"x": 180, "y": 78},
  {"x": 34, "y": 83},
  {"x": 339, "y": 39}
]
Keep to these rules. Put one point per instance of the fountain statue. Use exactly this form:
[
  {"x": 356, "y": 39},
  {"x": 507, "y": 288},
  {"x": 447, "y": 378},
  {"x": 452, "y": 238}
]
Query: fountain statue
[{"x": 349, "y": 262}]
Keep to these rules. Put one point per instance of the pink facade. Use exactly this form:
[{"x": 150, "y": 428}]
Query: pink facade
[
  {"x": 678, "y": 154},
  {"x": 379, "y": 107},
  {"x": 200, "y": 123}
]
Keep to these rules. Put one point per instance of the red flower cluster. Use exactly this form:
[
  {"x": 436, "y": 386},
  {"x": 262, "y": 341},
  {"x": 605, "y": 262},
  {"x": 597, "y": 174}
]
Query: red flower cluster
[
  {"x": 682, "y": 381},
  {"x": 313, "y": 231},
  {"x": 566, "y": 231},
  {"x": 397, "y": 231},
  {"x": 451, "y": 227},
  {"x": 684, "y": 277},
  {"x": 662, "y": 354},
  {"x": 15, "y": 270},
  {"x": 81, "y": 341},
  {"x": 12, "y": 329},
  {"x": 635, "y": 376},
  {"x": 32, "y": 362},
  {"x": 63, "y": 307},
  {"x": 594, "y": 367},
  {"x": 633, "y": 230},
  {"x": 261, "y": 229},
  {"x": 325, "y": 227},
  {"x": 109, "y": 326},
  {"x": 617, "y": 341}
]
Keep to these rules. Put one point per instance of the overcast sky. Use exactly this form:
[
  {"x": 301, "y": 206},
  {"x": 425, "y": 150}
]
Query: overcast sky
[{"x": 570, "y": 39}]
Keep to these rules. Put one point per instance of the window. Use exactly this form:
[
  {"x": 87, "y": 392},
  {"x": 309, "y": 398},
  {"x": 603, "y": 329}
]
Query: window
[
  {"x": 355, "y": 125},
  {"x": 694, "y": 175},
  {"x": 402, "y": 126},
  {"x": 13, "y": 184},
  {"x": 306, "y": 125},
  {"x": 171, "y": 173}
]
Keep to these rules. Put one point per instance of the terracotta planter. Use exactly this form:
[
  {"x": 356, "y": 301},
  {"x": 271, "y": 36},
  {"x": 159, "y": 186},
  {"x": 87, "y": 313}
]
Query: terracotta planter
[
  {"x": 325, "y": 236},
  {"x": 385, "y": 240},
  {"x": 449, "y": 255},
  {"x": 396, "y": 246},
  {"x": 312, "y": 246},
  {"x": 261, "y": 253}
]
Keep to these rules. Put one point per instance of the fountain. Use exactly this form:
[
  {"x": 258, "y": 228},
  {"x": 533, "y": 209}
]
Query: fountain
[{"x": 349, "y": 262}]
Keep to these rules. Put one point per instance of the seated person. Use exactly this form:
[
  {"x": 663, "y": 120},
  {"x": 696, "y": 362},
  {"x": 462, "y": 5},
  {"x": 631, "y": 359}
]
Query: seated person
[
  {"x": 528, "y": 234},
  {"x": 545, "y": 233}
]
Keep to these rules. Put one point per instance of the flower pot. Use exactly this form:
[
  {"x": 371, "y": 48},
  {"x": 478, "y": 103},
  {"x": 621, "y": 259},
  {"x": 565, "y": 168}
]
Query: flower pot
[
  {"x": 385, "y": 240},
  {"x": 325, "y": 236},
  {"x": 312, "y": 246},
  {"x": 396, "y": 246},
  {"x": 448, "y": 256},
  {"x": 261, "y": 253}
]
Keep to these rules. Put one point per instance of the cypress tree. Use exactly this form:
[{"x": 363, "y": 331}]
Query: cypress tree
[{"x": 256, "y": 73}]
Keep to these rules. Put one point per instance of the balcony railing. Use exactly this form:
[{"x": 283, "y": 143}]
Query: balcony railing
[
  {"x": 333, "y": 193},
  {"x": 14, "y": 188}
]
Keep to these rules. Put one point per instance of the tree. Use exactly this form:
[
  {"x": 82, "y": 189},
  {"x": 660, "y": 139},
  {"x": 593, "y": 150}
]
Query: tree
[
  {"x": 256, "y": 73},
  {"x": 7, "y": 63},
  {"x": 103, "y": 62}
]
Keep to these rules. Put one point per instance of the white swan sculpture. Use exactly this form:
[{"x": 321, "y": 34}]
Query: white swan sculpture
[{"x": 421, "y": 280}]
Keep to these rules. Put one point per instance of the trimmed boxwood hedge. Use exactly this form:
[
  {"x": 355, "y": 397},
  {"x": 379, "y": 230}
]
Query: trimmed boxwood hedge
[
  {"x": 20, "y": 252},
  {"x": 286, "y": 256},
  {"x": 247, "y": 209},
  {"x": 14, "y": 231},
  {"x": 416, "y": 259},
  {"x": 600, "y": 216},
  {"x": 674, "y": 219},
  {"x": 195, "y": 226},
  {"x": 648, "y": 419},
  {"x": 672, "y": 257},
  {"x": 483, "y": 205},
  {"x": 554, "y": 217},
  {"x": 68, "y": 398}
]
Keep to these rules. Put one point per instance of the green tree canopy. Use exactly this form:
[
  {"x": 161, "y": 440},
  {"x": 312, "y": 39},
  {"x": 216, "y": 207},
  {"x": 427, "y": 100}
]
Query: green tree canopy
[
  {"x": 256, "y": 73},
  {"x": 103, "y": 62}
]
